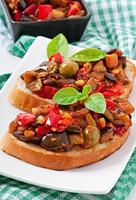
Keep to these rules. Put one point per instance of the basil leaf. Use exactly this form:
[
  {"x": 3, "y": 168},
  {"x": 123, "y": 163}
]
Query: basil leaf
[
  {"x": 58, "y": 44},
  {"x": 96, "y": 103},
  {"x": 66, "y": 96},
  {"x": 81, "y": 96},
  {"x": 88, "y": 55},
  {"x": 87, "y": 89}
]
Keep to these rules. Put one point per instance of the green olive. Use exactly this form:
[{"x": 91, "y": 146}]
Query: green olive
[
  {"x": 91, "y": 136},
  {"x": 69, "y": 68}
]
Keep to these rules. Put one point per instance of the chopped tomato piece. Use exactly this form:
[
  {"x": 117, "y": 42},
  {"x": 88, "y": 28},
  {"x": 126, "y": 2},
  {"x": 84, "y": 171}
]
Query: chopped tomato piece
[
  {"x": 47, "y": 92},
  {"x": 110, "y": 104},
  {"x": 57, "y": 57},
  {"x": 42, "y": 130},
  {"x": 30, "y": 10},
  {"x": 53, "y": 119},
  {"x": 44, "y": 12},
  {"x": 100, "y": 87},
  {"x": 73, "y": 10},
  {"x": 17, "y": 16},
  {"x": 25, "y": 119},
  {"x": 108, "y": 94},
  {"x": 117, "y": 88}
]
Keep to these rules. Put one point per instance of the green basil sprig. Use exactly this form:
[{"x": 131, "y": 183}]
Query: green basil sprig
[
  {"x": 58, "y": 44},
  {"x": 69, "y": 95},
  {"x": 88, "y": 55}
]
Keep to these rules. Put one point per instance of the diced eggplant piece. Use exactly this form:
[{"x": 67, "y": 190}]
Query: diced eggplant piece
[
  {"x": 116, "y": 51},
  {"x": 126, "y": 106},
  {"x": 99, "y": 67},
  {"x": 93, "y": 82},
  {"x": 55, "y": 142},
  {"x": 73, "y": 129},
  {"x": 35, "y": 86},
  {"x": 109, "y": 115},
  {"x": 111, "y": 76},
  {"x": 20, "y": 136},
  {"x": 22, "y": 5},
  {"x": 111, "y": 60},
  {"x": 75, "y": 139},
  {"x": 98, "y": 75},
  {"x": 29, "y": 76},
  {"x": 80, "y": 113},
  {"x": 82, "y": 122},
  {"x": 125, "y": 119},
  {"x": 89, "y": 119}
]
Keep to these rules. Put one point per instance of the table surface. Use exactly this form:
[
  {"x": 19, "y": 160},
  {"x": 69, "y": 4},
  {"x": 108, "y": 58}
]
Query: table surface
[{"x": 8, "y": 64}]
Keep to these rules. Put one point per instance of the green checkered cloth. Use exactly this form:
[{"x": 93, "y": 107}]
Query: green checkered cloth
[{"x": 112, "y": 24}]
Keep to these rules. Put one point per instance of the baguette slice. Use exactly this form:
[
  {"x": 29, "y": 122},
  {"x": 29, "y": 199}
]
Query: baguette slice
[
  {"x": 77, "y": 157},
  {"x": 24, "y": 99}
]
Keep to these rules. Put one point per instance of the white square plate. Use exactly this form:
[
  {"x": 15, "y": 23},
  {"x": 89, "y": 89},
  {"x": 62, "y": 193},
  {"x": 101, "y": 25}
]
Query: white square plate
[{"x": 98, "y": 178}]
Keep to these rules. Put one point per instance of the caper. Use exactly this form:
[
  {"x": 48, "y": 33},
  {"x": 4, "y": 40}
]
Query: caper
[
  {"x": 69, "y": 68},
  {"x": 91, "y": 136}
]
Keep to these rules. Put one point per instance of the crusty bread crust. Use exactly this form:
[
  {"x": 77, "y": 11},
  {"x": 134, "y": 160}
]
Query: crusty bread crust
[
  {"x": 130, "y": 71},
  {"x": 77, "y": 157},
  {"x": 22, "y": 98}
]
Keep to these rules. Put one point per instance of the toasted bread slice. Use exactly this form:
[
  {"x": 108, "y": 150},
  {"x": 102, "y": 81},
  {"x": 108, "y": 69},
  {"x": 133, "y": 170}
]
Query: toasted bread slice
[
  {"x": 76, "y": 157},
  {"x": 130, "y": 71},
  {"x": 24, "y": 99}
]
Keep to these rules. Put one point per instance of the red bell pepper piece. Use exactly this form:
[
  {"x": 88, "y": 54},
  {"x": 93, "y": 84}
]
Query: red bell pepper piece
[
  {"x": 44, "y": 12},
  {"x": 47, "y": 92},
  {"x": 117, "y": 88},
  {"x": 42, "y": 130},
  {"x": 108, "y": 93},
  {"x": 25, "y": 119},
  {"x": 53, "y": 119},
  {"x": 56, "y": 57},
  {"x": 110, "y": 104},
  {"x": 100, "y": 87},
  {"x": 30, "y": 10},
  {"x": 73, "y": 10},
  {"x": 17, "y": 15}
]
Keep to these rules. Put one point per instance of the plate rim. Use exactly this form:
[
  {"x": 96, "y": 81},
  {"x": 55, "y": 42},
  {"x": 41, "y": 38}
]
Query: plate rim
[{"x": 102, "y": 191}]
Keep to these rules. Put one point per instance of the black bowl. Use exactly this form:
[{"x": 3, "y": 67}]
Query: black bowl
[{"x": 72, "y": 28}]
